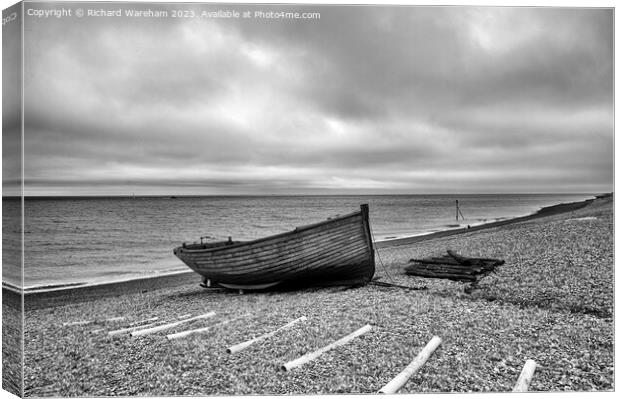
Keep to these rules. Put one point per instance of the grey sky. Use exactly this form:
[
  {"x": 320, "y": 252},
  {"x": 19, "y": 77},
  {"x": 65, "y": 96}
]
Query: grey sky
[{"x": 364, "y": 100}]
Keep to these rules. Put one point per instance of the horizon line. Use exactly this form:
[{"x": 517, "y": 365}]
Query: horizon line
[{"x": 292, "y": 195}]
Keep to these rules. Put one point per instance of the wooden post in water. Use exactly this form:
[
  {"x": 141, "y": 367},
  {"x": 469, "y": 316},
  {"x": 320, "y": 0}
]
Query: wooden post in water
[{"x": 458, "y": 211}]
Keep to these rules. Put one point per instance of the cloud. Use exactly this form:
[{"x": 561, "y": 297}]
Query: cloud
[
  {"x": 382, "y": 99},
  {"x": 11, "y": 106}
]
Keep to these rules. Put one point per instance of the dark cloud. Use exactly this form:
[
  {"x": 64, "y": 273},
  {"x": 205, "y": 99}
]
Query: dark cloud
[{"x": 376, "y": 99}]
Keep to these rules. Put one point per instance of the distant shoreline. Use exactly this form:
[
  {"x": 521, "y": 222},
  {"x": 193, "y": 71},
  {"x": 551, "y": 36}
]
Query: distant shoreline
[
  {"x": 70, "y": 292},
  {"x": 543, "y": 212}
]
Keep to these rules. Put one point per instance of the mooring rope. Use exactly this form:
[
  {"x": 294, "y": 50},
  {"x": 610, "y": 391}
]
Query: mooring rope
[
  {"x": 372, "y": 235},
  {"x": 392, "y": 283}
]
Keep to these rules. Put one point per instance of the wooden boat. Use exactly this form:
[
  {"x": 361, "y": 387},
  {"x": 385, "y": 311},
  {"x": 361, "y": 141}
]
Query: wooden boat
[{"x": 338, "y": 251}]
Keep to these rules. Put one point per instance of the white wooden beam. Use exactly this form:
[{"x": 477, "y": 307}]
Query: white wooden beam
[
  {"x": 313, "y": 355},
  {"x": 155, "y": 329},
  {"x": 201, "y": 330},
  {"x": 404, "y": 376},
  {"x": 243, "y": 345},
  {"x": 525, "y": 378}
]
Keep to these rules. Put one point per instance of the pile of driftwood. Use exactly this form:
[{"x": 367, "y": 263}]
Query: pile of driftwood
[{"x": 453, "y": 267}]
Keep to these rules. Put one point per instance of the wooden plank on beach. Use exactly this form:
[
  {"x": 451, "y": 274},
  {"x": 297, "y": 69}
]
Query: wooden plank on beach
[
  {"x": 453, "y": 267},
  {"x": 525, "y": 378},
  {"x": 313, "y": 355},
  {"x": 152, "y": 330},
  {"x": 401, "y": 379},
  {"x": 87, "y": 322},
  {"x": 243, "y": 345},
  {"x": 201, "y": 330},
  {"x": 78, "y": 323},
  {"x": 130, "y": 329},
  {"x": 136, "y": 323}
]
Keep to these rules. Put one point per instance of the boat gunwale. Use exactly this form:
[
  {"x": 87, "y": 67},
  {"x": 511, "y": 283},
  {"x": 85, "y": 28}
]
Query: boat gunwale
[{"x": 297, "y": 230}]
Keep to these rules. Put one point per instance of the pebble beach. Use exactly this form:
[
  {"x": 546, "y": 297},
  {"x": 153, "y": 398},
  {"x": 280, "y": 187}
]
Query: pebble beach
[{"x": 552, "y": 301}]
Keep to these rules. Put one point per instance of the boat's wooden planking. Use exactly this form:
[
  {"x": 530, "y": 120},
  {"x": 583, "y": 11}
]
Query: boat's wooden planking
[
  {"x": 304, "y": 247},
  {"x": 292, "y": 244},
  {"x": 276, "y": 241}
]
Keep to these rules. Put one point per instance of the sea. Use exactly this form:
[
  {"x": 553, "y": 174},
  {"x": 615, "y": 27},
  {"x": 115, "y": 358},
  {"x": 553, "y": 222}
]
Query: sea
[{"x": 76, "y": 241}]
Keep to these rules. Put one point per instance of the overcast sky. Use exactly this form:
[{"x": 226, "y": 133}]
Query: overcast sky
[{"x": 363, "y": 100}]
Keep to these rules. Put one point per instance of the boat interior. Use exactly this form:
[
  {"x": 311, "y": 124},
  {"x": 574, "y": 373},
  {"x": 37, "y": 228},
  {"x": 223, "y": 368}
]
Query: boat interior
[{"x": 206, "y": 245}]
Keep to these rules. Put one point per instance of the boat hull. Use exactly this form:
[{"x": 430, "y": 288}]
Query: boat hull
[{"x": 337, "y": 251}]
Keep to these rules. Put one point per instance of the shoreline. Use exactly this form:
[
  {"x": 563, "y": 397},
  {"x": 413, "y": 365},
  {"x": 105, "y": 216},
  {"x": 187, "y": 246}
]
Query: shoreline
[
  {"x": 71, "y": 292},
  {"x": 74, "y": 294},
  {"x": 543, "y": 212},
  {"x": 75, "y": 285}
]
